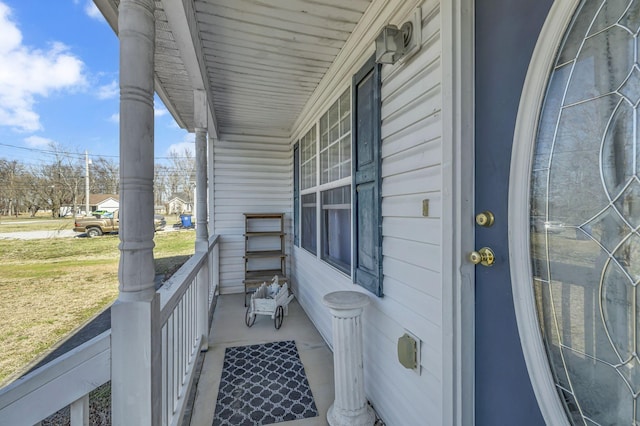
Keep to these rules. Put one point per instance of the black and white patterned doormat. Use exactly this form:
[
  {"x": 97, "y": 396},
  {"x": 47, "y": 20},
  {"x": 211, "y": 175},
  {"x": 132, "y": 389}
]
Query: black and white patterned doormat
[{"x": 263, "y": 384}]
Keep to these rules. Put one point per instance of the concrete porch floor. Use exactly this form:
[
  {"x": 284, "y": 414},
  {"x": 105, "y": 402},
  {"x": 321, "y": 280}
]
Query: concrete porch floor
[{"x": 229, "y": 330}]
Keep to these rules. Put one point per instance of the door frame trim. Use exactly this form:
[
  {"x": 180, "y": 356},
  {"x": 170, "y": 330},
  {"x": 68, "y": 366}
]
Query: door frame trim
[
  {"x": 533, "y": 92},
  {"x": 458, "y": 236}
]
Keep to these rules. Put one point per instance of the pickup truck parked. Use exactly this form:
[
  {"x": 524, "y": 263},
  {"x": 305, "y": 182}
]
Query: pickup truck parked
[{"x": 108, "y": 223}]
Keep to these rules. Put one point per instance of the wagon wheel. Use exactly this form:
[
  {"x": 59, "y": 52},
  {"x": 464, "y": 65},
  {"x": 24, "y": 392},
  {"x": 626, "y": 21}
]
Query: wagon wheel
[
  {"x": 249, "y": 317},
  {"x": 279, "y": 317}
]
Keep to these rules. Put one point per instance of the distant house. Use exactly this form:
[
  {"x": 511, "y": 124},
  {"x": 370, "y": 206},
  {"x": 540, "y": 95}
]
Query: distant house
[
  {"x": 108, "y": 202},
  {"x": 178, "y": 205}
]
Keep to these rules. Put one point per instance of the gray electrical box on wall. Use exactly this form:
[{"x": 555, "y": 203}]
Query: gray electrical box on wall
[{"x": 409, "y": 352}]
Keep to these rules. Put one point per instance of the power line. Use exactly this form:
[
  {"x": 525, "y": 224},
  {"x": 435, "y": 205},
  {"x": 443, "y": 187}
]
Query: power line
[{"x": 80, "y": 155}]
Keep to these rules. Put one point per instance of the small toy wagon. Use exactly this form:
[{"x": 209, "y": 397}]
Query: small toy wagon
[{"x": 270, "y": 300}]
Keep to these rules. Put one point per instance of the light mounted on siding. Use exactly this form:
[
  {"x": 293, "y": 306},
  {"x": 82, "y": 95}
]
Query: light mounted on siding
[{"x": 394, "y": 43}]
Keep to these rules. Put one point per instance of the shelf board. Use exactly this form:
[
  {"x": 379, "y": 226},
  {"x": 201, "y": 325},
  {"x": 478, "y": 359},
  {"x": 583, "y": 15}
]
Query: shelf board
[
  {"x": 263, "y": 254},
  {"x": 264, "y": 275},
  {"x": 263, "y": 215},
  {"x": 265, "y": 234}
]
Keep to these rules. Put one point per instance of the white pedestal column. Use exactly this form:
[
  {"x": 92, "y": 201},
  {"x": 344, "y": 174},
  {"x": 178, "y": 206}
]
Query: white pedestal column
[{"x": 350, "y": 406}]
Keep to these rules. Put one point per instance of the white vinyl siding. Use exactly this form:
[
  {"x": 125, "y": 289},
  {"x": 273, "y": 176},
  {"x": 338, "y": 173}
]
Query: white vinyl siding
[
  {"x": 251, "y": 175},
  {"x": 412, "y": 259}
]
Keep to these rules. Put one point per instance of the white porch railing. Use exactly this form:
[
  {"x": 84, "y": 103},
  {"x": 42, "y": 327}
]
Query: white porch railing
[
  {"x": 70, "y": 378},
  {"x": 182, "y": 338}
]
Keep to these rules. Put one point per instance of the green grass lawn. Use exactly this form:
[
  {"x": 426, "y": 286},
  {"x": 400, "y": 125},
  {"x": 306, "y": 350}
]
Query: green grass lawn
[
  {"x": 50, "y": 287},
  {"x": 38, "y": 223}
]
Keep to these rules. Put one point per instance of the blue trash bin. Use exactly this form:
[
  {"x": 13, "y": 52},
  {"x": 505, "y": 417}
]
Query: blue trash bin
[{"x": 186, "y": 220}]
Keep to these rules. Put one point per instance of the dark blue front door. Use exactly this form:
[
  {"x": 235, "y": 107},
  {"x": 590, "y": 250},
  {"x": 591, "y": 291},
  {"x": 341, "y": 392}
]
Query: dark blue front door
[{"x": 506, "y": 33}]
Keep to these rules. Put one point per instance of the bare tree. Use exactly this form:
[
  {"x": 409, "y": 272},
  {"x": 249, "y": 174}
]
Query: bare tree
[
  {"x": 58, "y": 183},
  {"x": 12, "y": 176},
  {"x": 105, "y": 176},
  {"x": 161, "y": 184},
  {"x": 182, "y": 178}
]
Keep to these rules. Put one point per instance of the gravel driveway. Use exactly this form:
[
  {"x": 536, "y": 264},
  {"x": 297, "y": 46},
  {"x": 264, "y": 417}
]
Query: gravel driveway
[{"x": 34, "y": 235}]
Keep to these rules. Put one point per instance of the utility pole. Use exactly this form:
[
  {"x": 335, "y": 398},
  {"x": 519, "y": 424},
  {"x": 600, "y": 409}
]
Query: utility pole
[{"x": 86, "y": 182}]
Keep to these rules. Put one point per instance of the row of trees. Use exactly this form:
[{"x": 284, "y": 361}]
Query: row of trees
[{"x": 59, "y": 180}]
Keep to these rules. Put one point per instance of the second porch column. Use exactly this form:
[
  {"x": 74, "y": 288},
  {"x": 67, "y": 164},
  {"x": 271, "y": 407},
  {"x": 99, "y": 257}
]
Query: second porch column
[
  {"x": 200, "y": 118},
  {"x": 136, "y": 379},
  {"x": 202, "y": 234},
  {"x": 211, "y": 171}
]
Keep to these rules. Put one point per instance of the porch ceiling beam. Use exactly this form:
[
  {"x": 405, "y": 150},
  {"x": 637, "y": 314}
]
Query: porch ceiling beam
[{"x": 183, "y": 25}]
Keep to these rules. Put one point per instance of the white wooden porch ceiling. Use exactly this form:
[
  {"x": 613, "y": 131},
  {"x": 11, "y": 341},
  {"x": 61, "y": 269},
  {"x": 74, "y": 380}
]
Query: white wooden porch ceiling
[
  {"x": 260, "y": 60},
  {"x": 264, "y": 58}
]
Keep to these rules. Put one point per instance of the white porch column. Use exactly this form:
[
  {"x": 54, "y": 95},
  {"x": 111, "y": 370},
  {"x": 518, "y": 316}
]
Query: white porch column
[
  {"x": 200, "y": 118},
  {"x": 202, "y": 233},
  {"x": 211, "y": 175},
  {"x": 135, "y": 317},
  {"x": 350, "y": 407}
]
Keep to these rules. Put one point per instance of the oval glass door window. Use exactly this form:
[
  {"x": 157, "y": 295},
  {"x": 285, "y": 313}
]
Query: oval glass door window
[{"x": 585, "y": 215}]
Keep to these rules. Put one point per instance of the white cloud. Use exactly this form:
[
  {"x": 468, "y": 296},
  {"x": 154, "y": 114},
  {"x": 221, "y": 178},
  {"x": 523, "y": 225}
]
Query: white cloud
[
  {"x": 115, "y": 118},
  {"x": 159, "y": 112},
  {"x": 92, "y": 10},
  {"x": 27, "y": 73},
  {"x": 108, "y": 91},
  {"x": 188, "y": 143},
  {"x": 37, "y": 141}
]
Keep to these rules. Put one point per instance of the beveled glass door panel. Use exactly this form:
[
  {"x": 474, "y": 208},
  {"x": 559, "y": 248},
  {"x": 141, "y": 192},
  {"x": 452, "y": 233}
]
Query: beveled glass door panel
[{"x": 585, "y": 215}]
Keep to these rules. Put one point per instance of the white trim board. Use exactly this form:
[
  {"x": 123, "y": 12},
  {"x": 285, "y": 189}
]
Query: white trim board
[{"x": 458, "y": 297}]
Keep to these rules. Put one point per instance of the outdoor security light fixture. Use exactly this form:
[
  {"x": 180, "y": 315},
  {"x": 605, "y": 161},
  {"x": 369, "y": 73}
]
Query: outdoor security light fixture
[{"x": 393, "y": 42}]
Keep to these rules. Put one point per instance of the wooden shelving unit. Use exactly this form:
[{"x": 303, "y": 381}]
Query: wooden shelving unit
[{"x": 264, "y": 250}]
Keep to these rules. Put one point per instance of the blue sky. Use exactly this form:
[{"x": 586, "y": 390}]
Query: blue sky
[{"x": 59, "y": 83}]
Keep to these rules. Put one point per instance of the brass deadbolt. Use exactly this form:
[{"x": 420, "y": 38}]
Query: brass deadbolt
[
  {"x": 485, "y": 218},
  {"x": 484, "y": 257}
]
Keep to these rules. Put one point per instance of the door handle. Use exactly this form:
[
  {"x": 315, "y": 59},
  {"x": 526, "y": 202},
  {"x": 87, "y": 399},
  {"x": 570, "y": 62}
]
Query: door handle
[{"x": 484, "y": 257}]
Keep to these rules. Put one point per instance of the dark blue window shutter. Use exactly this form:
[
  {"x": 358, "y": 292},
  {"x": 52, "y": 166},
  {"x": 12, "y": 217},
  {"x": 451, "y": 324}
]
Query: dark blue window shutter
[
  {"x": 367, "y": 180},
  {"x": 296, "y": 194}
]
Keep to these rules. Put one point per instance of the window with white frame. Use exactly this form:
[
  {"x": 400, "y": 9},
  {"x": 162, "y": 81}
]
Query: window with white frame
[{"x": 326, "y": 187}]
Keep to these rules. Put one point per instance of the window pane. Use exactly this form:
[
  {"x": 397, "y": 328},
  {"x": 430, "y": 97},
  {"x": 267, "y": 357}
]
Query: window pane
[
  {"x": 345, "y": 157},
  {"x": 324, "y": 166},
  {"x": 335, "y": 149},
  {"x": 333, "y": 114},
  {"x": 345, "y": 125},
  {"x": 345, "y": 103},
  {"x": 308, "y": 168},
  {"x": 336, "y": 227},
  {"x": 324, "y": 132},
  {"x": 308, "y": 230}
]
